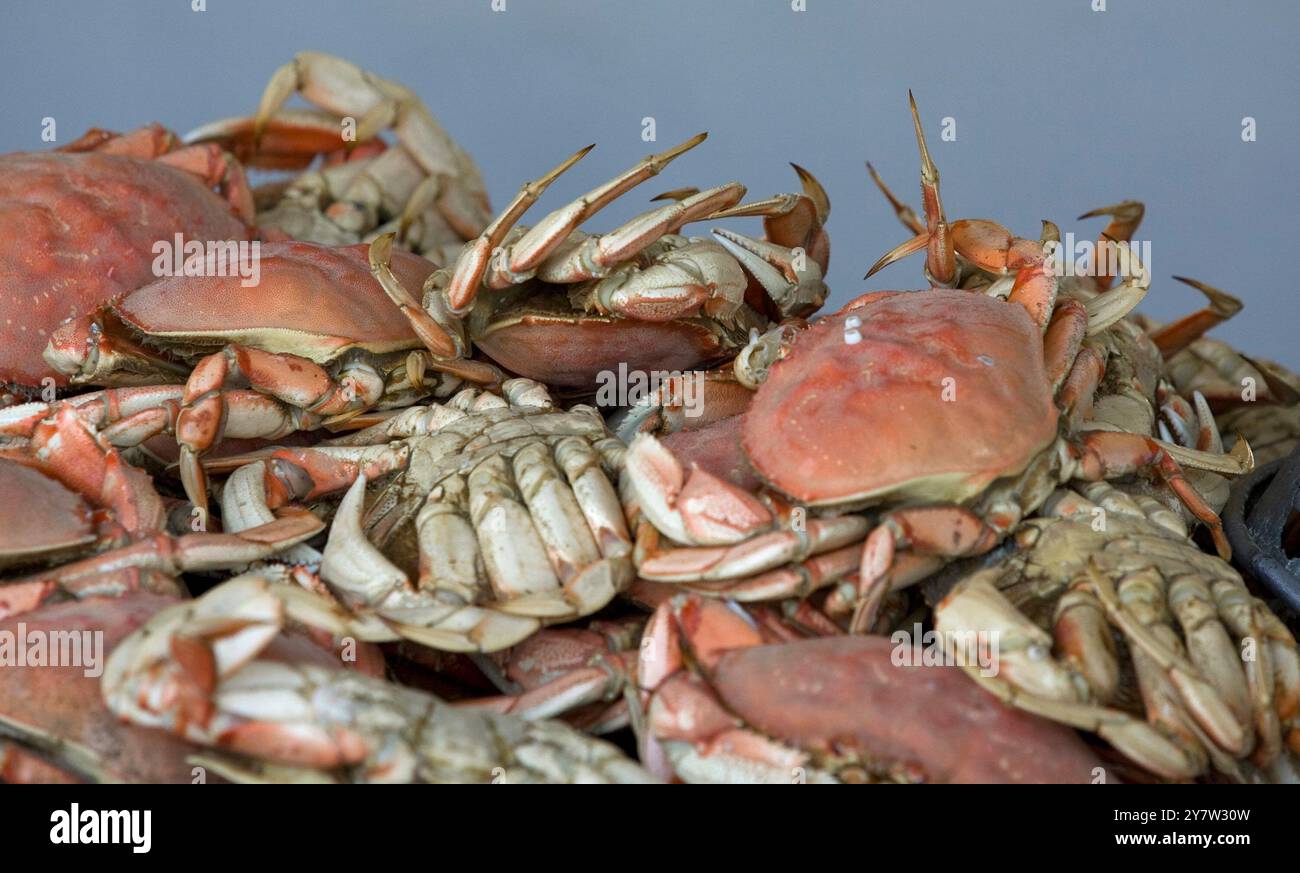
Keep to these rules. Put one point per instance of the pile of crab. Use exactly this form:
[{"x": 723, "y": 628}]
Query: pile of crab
[{"x": 368, "y": 509}]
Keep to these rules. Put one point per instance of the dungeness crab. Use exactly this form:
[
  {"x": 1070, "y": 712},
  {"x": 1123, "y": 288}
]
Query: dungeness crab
[
  {"x": 558, "y": 305},
  {"x": 953, "y": 412}
]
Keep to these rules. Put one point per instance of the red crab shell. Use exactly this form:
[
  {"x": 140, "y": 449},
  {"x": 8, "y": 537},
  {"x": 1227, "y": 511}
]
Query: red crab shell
[
  {"x": 845, "y": 693},
  {"x": 40, "y": 519},
  {"x": 839, "y": 422},
  {"x": 311, "y": 300},
  {"x": 77, "y": 230}
]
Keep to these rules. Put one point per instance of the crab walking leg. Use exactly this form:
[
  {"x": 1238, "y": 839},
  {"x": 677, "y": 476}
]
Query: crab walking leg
[
  {"x": 946, "y": 531},
  {"x": 935, "y": 238},
  {"x": 308, "y": 392},
  {"x": 1188, "y": 424},
  {"x": 1138, "y": 608},
  {"x": 904, "y": 212},
  {"x": 794, "y": 221},
  {"x": 684, "y": 278},
  {"x": 1286, "y": 672},
  {"x": 581, "y": 534},
  {"x": 1209, "y": 646},
  {"x": 207, "y": 162},
  {"x": 378, "y": 104},
  {"x": 215, "y": 167},
  {"x": 1109, "y": 455},
  {"x": 145, "y": 142},
  {"x": 190, "y": 553},
  {"x": 608, "y": 676},
  {"x": 1082, "y": 635},
  {"x": 1106, "y": 309},
  {"x": 479, "y": 267},
  {"x": 758, "y": 555},
  {"x": 444, "y": 341},
  {"x": 363, "y": 578},
  {"x": 1178, "y": 335},
  {"x": 795, "y": 580},
  {"x": 132, "y": 412},
  {"x": 196, "y": 670},
  {"x": 1124, "y": 220},
  {"x": 940, "y": 260},
  {"x": 1063, "y": 338},
  {"x": 1030, "y": 678},
  {"x": 1272, "y": 667},
  {"x": 593, "y": 256},
  {"x": 522, "y": 533}
]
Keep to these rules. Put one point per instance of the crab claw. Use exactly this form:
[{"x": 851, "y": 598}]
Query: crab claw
[
  {"x": 794, "y": 220},
  {"x": 791, "y": 277},
  {"x": 694, "y": 507}
]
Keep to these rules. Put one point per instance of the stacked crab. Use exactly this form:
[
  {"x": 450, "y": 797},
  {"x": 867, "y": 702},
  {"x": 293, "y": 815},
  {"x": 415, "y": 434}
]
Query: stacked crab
[{"x": 367, "y": 518}]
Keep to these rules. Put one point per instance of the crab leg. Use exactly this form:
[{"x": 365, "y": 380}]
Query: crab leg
[
  {"x": 289, "y": 140},
  {"x": 546, "y": 543},
  {"x": 1104, "y": 455},
  {"x": 1125, "y": 218},
  {"x": 606, "y": 676},
  {"x": 126, "y": 416},
  {"x": 147, "y": 142},
  {"x": 1062, "y": 341},
  {"x": 218, "y": 168},
  {"x": 593, "y": 256},
  {"x": 731, "y": 534},
  {"x": 945, "y": 531},
  {"x": 196, "y": 669},
  {"x": 905, "y": 213},
  {"x": 1045, "y": 686},
  {"x": 190, "y": 553},
  {"x": 1106, "y": 309},
  {"x": 755, "y": 555},
  {"x": 1173, "y": 338},
  {"x": 683, "y": 279},
  {"x": 936, "y": 237},
  {"x": 1208, "y": 645},
  {"x": 797, "y": 580},
  {"x": 212, "y": 166},
  {"x": 1272, "y": 673},
  {"x": 347, "y": 90},
  {"x": 793, "y": 282},
  {"x": 1136, "y": 609},
  {"x": 794, "y": 220},
  {"x": 940, "y": 260},
  {"x": 307, "y": 391},
  {"x": 477, "y": 267}
]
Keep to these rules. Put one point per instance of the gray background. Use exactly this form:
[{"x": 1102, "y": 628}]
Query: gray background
[{"x": 1059, "y": 109}]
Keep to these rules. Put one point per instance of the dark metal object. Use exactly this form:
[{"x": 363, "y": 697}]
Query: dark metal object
[{"x": 1258, "y": 521}]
